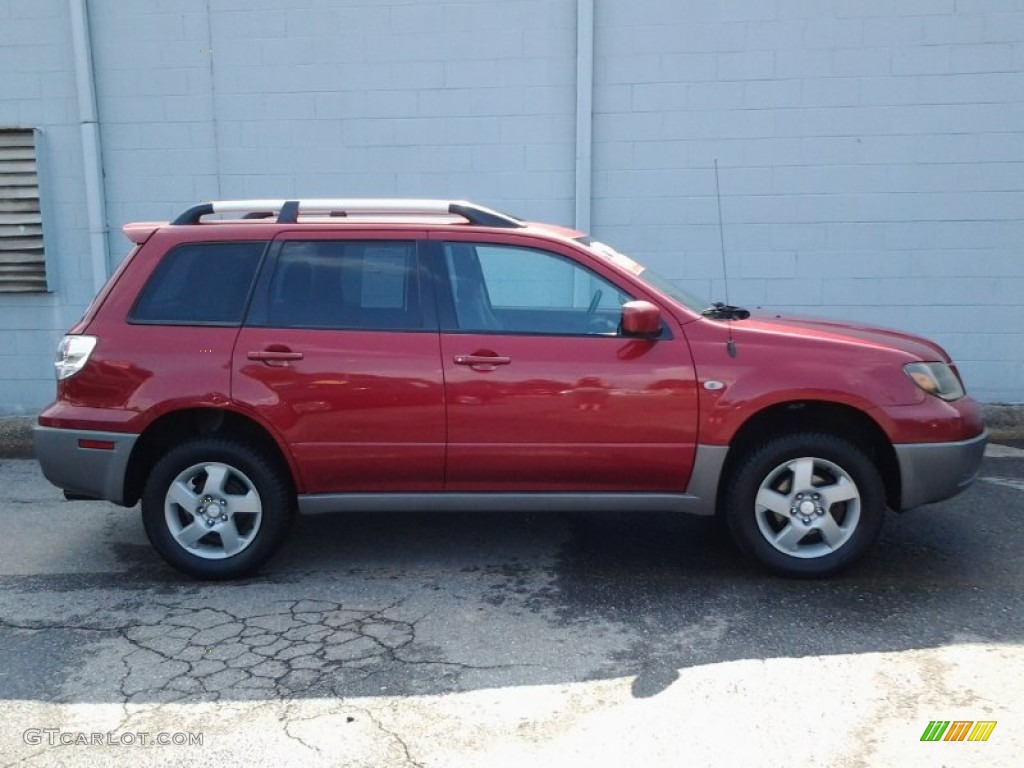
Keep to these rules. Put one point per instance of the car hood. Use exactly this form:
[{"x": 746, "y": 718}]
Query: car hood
[{"x": 840, "y": 331}]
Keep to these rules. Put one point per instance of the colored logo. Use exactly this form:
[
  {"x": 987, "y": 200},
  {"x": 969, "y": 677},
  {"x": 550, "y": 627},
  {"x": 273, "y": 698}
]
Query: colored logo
[{"x": 958, "y": 730}]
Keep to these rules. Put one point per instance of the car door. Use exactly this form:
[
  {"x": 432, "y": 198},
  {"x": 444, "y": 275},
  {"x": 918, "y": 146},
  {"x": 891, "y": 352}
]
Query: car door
[
  {"x": 339, "y": 354},
  {"x": 544, "y": 392}
]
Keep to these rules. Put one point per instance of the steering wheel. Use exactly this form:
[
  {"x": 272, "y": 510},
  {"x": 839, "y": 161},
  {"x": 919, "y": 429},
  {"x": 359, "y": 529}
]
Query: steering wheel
[{"x": 594, "y": 301}]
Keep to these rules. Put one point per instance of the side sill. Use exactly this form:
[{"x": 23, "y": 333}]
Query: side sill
[
  {"x": 499, "y": 502},
  {"x": 700, "y": 497}
]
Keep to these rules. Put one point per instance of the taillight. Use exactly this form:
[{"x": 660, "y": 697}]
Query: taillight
[{"x": 72, "y": 355}]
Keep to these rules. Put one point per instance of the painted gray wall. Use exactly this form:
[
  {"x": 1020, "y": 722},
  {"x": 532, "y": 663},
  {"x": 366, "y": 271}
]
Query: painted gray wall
[
  {"x": 872, "y": 157},
  {"x": 871, "y": 152},
  {"x": 37, "y": 89}
]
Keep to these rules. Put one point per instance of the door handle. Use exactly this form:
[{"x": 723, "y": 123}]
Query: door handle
[
  {"x": 483, "y": 361},
  {"x": 271, "y": 356}
]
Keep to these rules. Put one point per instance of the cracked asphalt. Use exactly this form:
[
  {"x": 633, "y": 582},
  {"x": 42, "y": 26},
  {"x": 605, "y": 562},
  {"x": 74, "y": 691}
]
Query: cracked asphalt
[{"x": 507, "y": 639}]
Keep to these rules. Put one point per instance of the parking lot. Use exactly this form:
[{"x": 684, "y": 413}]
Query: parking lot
[{"x": 509, "y": 639}]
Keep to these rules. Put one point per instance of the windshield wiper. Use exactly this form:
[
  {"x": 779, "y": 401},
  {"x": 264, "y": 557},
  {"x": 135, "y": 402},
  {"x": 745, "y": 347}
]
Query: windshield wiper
[{"x": 720, "y": 311}]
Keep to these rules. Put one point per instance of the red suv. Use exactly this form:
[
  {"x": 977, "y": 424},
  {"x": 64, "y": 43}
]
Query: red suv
[{"x": 254, "y": 359}]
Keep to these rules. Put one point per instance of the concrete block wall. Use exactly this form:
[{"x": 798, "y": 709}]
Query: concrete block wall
[
  {"x": 871, "y": 153},
  {"x": 470, "y": 99},
  {"x": 37, "y": 90},
  {"x": 871, "y": 161}
]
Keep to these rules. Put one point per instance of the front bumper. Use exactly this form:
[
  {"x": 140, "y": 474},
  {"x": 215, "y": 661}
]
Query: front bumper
[
  {"x": 932, "y": 472},
  {"x": 93, "y": 472}
]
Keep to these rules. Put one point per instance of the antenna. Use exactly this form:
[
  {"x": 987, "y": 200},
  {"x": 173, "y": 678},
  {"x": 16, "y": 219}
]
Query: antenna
[
  {"x": 721, "y": 233},
  {"x": 730, "y": 344}
]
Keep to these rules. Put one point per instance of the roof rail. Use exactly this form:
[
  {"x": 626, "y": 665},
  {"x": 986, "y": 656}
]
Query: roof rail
[{"x": 288, "y": 210}]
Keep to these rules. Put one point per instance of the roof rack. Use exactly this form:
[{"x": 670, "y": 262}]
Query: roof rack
[{"x": 288, "y": 210}]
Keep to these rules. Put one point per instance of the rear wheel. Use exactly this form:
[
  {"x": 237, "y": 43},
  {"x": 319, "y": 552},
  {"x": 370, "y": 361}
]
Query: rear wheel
[
  {"x": 806, "y": 504},
  {"x": 215, "y": 508}
]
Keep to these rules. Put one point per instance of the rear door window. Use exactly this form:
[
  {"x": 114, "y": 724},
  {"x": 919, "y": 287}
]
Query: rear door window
[{"x": 343, "y": 285}]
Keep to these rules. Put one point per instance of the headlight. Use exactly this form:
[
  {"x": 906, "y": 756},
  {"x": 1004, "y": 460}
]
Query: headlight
[
  {"x": 936, "y": 379},
  {"x": 72, "y": 355}
]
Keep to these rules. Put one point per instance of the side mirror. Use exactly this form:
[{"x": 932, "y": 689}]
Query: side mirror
[{"x": 641, "y": 318}]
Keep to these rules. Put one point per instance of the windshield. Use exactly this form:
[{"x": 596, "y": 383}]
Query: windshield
[{"x": 662, "y": 284}]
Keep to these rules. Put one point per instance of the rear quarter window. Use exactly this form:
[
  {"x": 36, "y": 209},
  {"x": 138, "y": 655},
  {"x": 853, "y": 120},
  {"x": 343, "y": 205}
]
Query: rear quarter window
[{"x": 200, "y": 284}]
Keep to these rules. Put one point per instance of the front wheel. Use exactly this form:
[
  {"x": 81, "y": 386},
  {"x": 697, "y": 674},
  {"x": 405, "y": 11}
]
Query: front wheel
[
  {"x": 216, "y": 509},
  {"x": 806, "y": 504}
]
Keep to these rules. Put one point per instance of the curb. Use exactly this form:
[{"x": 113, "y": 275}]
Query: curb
[
  {"x": 16, "y": 437},
  {"x": 1005, "y": 422}
]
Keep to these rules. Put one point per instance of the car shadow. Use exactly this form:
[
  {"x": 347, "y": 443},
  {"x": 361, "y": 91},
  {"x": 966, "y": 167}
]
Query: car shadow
[{"x": 429, "y": 603}]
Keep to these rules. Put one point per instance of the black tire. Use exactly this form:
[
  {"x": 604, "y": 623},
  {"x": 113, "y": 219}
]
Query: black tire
[
  {"x": 248, "y": 480},
  {"x": 834, "y": 535}
]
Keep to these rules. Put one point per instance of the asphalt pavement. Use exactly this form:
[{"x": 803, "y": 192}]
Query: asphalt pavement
[{"x": 508, "y": 640}]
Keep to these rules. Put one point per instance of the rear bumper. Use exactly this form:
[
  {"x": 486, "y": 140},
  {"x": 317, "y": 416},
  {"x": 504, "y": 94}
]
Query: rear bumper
[
  {"x": 932, "y": 472},
  {"x": 94, "y": 472}
]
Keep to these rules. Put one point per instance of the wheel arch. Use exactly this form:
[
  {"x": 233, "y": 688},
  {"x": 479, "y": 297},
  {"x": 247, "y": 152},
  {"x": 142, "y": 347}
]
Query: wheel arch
[
  {"x": 842, "y": 420},
  {"x": 175, "y": 426}
]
